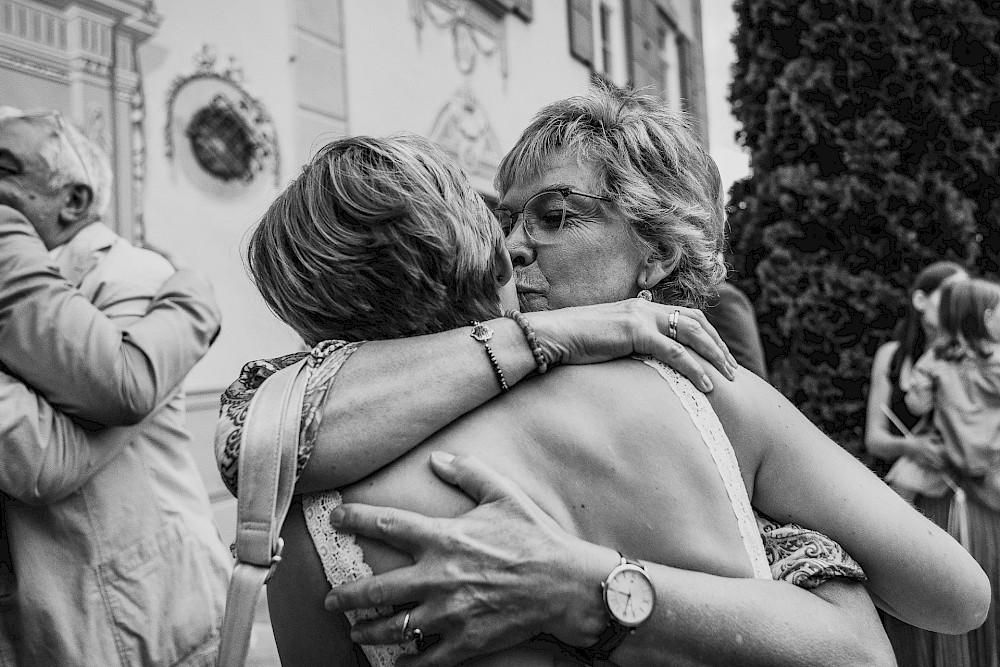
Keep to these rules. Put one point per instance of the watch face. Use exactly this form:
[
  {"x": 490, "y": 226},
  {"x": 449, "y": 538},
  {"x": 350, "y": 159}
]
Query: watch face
[{"x": 630, "y": 596}]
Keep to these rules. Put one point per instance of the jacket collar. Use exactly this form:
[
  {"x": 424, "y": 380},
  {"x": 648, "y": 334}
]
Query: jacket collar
[{"x": 78, "y": 256}]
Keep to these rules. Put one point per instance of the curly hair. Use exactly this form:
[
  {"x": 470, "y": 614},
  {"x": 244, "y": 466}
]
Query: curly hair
[
  {"x": 654, "y": 169},
  {"x": 377, "y": 238}
]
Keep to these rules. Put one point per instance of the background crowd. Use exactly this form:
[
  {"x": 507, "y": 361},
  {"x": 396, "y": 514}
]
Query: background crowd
[{"x": 862, "y": 264}]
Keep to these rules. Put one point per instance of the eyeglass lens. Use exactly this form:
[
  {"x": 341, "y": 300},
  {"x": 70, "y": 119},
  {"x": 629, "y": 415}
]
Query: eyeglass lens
[{"x": 545, "y": 214}]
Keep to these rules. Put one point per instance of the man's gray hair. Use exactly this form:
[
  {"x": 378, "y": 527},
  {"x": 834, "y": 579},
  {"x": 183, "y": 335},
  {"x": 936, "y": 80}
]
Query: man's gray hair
[{"x": 70, "y": 155}]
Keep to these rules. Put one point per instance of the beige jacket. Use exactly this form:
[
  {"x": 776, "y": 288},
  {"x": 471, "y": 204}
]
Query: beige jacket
[{"x": 115, "y": 557}]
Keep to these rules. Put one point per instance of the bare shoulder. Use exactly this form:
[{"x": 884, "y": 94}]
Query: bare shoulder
[{"x": 883, "y": 355}]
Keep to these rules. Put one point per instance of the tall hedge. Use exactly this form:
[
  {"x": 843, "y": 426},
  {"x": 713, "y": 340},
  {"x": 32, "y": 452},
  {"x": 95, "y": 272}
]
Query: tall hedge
[{"x": 872, "y": 128}]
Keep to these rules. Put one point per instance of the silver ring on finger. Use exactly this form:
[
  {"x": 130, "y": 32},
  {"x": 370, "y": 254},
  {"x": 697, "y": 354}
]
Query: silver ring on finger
[
  {"x": 405, "y": 633},
  {"x": 408, "y": 633},
  {"x": 675, "y": 315}
]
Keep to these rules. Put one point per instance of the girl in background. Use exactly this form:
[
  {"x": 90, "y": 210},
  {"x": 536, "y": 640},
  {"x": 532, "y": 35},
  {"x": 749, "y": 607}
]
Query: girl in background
[
  {"x": 885, "y": 441},
  {"x": 959, "y": 380},
  {"x": 891, "y": 375}
]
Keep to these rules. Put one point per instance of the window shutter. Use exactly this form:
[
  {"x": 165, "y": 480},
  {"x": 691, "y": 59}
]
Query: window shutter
[{"x": 581, "y": 31}]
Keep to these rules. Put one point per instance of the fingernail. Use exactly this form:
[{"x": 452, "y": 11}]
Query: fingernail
[
  {"x": 706, "y": 383},
  {"x": 330, "y": 603},
  {"x": 442, "y": 457},
  {"x": 337, "y": 516}
]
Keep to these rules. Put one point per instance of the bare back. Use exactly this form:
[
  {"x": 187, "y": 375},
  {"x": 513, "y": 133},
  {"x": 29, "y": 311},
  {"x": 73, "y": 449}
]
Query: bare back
[{"x": 608, "y": 450}]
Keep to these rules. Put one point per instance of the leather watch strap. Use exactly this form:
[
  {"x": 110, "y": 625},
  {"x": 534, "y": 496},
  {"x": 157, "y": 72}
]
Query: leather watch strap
[{"x": 613, "y": 635}]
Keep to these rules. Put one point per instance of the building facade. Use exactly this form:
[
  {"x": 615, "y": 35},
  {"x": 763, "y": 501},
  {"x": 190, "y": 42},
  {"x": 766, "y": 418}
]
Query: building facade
[{"x": 209, "y": 108}]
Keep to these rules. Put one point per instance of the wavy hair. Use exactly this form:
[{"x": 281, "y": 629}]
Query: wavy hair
[
  {"x": 964, "y": 304},
  {"x": 909, "y": 331},
  {"x": 651, "y": 165},
  {"x": 377, "y": 238}
]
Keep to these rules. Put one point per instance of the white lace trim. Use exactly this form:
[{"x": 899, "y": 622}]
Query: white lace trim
[
  {"x": 343, "y": 561},
  {"x": 708, "y": 424}
]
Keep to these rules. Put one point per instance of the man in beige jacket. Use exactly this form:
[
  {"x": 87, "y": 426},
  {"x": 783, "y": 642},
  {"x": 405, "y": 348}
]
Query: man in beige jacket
[{"x": 114, "y": 558}]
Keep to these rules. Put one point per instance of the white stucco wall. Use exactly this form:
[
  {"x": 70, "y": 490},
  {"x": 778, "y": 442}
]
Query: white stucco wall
[
  {"x": 400, "y": 78},
  {"x": 205, "y": 226}
]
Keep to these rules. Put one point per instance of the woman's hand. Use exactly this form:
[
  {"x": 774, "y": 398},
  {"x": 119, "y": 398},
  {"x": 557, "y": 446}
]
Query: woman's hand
[
  {"x": 589, "y": 334},
  {"x": 927, "y": 450},
  {"x": 477, "y": 589}
]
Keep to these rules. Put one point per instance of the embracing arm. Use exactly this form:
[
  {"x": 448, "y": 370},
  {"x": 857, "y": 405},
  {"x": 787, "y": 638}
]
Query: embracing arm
[
  {"x": 480, "y": 590},
  {"x": 391, "y": 395},
  {"x": 46, "y": 456},
  {"x": 880, "y": 439},
  {"x": 111, "y": 367},
  {"x": 702, "y": 619},
  {"x": 917, "y": 570}
]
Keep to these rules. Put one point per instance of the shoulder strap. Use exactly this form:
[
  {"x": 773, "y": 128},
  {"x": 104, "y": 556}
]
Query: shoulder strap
[{"x": 268, "y": 454}]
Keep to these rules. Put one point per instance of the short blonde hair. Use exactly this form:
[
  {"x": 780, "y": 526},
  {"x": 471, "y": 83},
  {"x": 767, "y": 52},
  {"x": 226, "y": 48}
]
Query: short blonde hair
[
  {"x": 377, "y": 238},
  {"x": 653, "y": 168}
]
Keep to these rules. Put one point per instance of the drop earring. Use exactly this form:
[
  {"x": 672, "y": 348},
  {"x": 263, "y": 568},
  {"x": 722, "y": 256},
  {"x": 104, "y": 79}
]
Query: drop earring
[{"x": 645, "y": 295}]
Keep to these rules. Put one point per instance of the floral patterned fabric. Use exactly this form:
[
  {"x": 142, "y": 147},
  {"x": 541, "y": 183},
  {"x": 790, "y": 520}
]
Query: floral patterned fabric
[
  {"x": 795, "y": 554},
  {"x": 324, "y": 361},
  {"x": 805, "y": 557}
]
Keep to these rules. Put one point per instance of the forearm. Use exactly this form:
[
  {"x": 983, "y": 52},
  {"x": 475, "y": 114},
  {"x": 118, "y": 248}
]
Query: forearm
[
  {"x": 391, "y": 395},
  {"x": 886, "y": 445},
  {"x": 701, "y": 619},
  {"x": 46, "y": 456},
  {"x": 58, "y": 342}
]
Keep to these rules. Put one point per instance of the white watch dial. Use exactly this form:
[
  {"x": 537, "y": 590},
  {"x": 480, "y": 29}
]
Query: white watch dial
[{"x": 630, "y": 596}]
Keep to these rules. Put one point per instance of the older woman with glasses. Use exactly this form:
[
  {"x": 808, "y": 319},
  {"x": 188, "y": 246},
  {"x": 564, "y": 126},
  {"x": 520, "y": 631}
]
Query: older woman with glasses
[{"x": 656, "y": 228}]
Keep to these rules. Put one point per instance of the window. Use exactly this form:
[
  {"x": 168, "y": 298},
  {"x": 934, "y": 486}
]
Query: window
[
  {"x": 597, "y": 37},
  {"x": 604, "y": 39},
  {"x": 670, "y": 65},
  {"x": 581, "y": 31}
]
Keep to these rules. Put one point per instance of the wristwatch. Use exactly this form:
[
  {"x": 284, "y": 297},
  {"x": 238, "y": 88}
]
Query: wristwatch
[{"x": 629, "y": 599}]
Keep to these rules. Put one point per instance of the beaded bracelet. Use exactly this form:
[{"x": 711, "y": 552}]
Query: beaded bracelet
[
  {"x": 483, "y": 334},
  {"x": 529, "y": 334}
]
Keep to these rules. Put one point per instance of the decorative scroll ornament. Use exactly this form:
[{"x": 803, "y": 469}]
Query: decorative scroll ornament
[
  {"x": 463, "y": 128},
  {"x": 215, "y": 121},
  {"x": 475, "y": 30}
]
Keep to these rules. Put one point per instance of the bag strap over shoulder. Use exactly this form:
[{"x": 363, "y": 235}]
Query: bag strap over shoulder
[{"x": 268, "y": 454}]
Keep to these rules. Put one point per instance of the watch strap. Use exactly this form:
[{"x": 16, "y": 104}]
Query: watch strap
[{"x": 614, "y": 634}]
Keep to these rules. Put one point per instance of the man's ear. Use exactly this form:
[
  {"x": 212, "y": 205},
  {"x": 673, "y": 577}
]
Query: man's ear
[
  {"x": 919, "y": 300},
  {"x": 77, "y": 205},
  {"x": 654, "y": 270}
]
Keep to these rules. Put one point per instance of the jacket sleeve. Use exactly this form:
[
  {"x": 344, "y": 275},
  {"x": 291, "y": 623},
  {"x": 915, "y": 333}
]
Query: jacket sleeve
[
  {"x": 93, "y": 365},
  {"x": 44, "y": 455},
  {"x": 733, "y": 317}
]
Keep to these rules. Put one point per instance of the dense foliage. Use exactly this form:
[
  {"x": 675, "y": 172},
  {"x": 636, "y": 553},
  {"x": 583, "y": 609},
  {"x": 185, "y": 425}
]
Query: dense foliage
[{"x": 874, "y": 134}]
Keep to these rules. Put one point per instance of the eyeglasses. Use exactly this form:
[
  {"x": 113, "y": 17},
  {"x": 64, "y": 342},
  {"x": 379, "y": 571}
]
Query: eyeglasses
[{"x": 547, "y": 212}]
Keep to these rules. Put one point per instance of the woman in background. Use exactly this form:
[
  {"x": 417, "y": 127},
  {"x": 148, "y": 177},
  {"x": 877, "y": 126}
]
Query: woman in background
[
  {"x": 958, "y": 382},
  {"x": 891, "y": 373},
  {"x": 891, "y": 376}
]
